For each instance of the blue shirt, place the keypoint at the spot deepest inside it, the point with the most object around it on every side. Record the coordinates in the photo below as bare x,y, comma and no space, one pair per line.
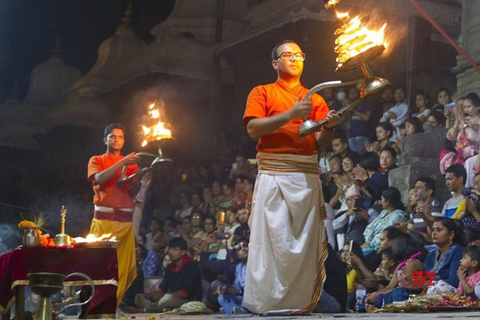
240,273
151,265
446,267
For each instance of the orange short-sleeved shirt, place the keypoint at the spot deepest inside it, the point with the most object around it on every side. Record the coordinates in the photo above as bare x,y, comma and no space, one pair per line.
110,194
275,98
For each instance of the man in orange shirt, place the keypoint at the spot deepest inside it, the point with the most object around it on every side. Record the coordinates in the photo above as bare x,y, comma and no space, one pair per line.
114,203
285,270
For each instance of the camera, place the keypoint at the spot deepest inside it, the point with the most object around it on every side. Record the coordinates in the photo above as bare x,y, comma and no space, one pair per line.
358,205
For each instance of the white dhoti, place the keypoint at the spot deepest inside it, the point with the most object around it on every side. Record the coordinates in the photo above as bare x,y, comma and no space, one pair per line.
288,247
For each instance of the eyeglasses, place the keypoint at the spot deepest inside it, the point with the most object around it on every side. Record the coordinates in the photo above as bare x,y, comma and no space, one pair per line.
240,246
347,162
300,56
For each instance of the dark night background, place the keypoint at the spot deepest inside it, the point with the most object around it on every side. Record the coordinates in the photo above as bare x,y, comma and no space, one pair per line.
29,30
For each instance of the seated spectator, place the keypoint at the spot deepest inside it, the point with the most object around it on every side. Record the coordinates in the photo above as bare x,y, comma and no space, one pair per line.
197,201
182,282
231,297
436,119
470,267
428,208
207,205
329,186
340,146
228,188
465,131
353,217
444,258
393,211
323,160
469,209
385,271
186,208
367,172
384,133
372,263
455,177
149,261
388,160
217,192
141,239
231,222
154,232
239,196
348,251
412,253
397,114
413,125
359,130
421,101
443,98
210,226
243,231
240,167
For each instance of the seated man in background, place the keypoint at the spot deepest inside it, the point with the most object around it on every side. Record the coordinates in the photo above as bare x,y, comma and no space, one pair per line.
181,284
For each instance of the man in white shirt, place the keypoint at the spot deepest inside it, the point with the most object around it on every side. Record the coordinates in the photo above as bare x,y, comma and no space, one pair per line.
397,114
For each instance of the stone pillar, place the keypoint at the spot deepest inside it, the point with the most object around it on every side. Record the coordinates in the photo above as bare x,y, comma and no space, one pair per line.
420,159
468,80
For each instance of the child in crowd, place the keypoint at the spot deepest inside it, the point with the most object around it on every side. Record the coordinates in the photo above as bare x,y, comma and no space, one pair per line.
470,267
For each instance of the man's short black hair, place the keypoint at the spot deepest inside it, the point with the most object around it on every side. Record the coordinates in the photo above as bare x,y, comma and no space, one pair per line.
111,126
341,136
178,243
458,171
429,183
274,50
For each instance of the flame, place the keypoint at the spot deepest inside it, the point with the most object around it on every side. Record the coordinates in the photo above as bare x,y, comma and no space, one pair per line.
354,39
331,3
91,238
156,129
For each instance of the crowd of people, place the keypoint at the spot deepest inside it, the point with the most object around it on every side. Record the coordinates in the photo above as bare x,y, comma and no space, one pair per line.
379,239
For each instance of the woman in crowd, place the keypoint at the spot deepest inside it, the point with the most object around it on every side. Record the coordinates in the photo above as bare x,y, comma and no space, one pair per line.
436,119
388,160
186,208
393,211
443,98
444,259
465,131
413,125
421,101
367,173
384,132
